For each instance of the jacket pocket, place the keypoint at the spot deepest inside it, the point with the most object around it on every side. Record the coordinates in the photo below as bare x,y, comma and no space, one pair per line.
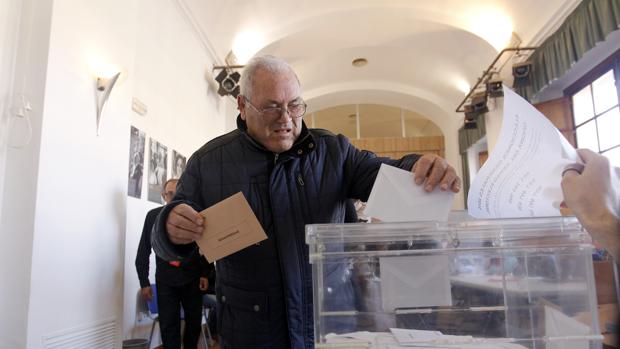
259,200
304,200
242,312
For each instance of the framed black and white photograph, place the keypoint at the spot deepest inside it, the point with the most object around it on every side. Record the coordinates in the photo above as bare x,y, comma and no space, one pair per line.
136,162
178,164
158,170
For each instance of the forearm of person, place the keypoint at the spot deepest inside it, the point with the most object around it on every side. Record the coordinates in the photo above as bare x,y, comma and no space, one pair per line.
163,247
605,229
143,255
142,267
593,195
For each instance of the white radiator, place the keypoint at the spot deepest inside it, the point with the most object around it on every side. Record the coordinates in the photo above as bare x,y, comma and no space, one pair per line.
100,335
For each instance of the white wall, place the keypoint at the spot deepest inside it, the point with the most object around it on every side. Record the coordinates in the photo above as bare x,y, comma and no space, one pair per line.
10,14
231,112
79,228
19,177
69,233
183,114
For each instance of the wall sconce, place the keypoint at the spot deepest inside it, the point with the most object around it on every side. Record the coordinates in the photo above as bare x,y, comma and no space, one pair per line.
104,87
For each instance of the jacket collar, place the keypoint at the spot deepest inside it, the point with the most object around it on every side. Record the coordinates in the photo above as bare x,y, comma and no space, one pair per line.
304,144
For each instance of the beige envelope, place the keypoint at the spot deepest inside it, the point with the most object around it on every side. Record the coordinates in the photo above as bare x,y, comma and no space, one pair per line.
230,226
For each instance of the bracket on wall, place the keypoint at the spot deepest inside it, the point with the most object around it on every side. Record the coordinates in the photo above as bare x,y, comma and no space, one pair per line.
488,73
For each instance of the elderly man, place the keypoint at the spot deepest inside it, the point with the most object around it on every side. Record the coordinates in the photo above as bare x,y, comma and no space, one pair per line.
291,176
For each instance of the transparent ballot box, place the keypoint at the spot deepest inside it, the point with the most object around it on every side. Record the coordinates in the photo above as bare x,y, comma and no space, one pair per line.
510,283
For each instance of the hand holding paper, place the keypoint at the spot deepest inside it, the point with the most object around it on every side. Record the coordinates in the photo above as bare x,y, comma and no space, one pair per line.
432,170
184,224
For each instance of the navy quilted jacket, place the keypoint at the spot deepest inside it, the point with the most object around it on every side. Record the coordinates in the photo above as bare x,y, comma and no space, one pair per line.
264,291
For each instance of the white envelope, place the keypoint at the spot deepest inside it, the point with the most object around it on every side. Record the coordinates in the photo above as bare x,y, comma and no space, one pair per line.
396,198
415,281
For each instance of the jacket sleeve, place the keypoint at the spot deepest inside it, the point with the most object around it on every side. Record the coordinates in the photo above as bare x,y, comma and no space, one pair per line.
144,250
362,166
188,192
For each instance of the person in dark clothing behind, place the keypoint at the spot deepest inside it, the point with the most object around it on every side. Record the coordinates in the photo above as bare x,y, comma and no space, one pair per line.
291,176
178,283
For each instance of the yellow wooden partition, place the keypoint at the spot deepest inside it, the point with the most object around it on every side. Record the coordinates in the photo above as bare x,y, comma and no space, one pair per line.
397,147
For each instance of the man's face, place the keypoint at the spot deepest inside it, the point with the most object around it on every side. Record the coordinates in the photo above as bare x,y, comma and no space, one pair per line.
272,90
169,191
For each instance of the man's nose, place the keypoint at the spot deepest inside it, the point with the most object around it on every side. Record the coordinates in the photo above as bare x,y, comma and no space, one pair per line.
284,114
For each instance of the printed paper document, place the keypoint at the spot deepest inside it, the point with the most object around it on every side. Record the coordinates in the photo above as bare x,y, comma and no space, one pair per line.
521,177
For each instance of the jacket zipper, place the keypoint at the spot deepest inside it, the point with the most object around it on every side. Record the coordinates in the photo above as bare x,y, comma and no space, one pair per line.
300,254
275,236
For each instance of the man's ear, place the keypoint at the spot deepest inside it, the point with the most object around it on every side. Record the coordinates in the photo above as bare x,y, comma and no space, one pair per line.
241,106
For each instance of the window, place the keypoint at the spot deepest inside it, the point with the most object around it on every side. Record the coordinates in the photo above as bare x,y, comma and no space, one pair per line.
596,113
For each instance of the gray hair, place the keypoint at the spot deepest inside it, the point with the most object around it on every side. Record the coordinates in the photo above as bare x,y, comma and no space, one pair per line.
269,63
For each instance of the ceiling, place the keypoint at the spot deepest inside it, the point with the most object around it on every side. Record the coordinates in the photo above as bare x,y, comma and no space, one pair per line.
418,51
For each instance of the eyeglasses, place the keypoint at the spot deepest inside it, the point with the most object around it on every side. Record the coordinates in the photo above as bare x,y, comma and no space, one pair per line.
294,110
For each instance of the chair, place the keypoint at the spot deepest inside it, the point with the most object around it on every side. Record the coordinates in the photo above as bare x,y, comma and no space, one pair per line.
208,304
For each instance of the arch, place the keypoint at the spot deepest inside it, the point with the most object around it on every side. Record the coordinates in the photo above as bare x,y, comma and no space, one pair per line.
407,12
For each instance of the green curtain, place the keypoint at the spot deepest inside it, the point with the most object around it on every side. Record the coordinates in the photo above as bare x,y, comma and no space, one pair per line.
588,24
465,177
467,137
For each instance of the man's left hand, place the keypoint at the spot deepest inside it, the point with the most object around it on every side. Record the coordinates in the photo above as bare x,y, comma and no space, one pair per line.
204,284
431,170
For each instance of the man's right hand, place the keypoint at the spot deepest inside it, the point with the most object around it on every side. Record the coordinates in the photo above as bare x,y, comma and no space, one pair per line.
147,293
184,224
